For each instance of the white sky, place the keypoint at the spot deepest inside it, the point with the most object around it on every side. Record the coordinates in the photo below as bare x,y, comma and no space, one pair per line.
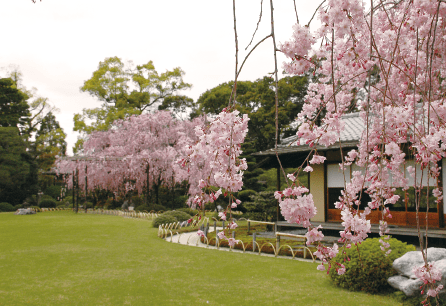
57,44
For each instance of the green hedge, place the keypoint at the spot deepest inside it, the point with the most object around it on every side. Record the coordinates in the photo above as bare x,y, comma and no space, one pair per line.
5,207
180,216
188,210
47,203
369,269
163,219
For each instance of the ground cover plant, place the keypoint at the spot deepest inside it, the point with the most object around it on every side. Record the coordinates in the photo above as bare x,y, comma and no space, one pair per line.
59,257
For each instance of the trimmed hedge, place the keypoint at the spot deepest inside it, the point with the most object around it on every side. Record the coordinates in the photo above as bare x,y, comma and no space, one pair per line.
6,207
180,216
163,219
369,270
47,203
170,217
188,210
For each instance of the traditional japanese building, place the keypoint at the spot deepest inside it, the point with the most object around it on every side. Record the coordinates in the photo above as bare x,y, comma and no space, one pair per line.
327,180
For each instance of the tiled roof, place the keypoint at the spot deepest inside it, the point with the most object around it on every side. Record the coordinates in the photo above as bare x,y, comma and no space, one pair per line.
353,128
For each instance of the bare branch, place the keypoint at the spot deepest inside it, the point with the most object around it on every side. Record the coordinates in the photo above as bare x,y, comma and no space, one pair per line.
314,14
257,27
295,9
234,89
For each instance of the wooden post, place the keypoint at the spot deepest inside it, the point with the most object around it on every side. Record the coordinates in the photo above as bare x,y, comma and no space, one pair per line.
147,184
278,189
74,195
216,239
86,188
254,241
249,226
77,190
440,206
277,244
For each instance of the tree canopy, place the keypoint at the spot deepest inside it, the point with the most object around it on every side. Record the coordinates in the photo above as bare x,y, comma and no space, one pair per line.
14,109
127,90
258,100
18,171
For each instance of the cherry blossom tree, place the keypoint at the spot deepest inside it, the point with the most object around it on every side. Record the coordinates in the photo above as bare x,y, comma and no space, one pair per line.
387,57
393,54
139,153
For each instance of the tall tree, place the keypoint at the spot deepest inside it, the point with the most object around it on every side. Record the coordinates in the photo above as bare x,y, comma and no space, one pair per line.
18,171
14,109
49,143
257,99
126,90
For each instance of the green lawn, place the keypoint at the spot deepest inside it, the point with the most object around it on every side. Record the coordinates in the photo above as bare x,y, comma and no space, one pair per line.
60,258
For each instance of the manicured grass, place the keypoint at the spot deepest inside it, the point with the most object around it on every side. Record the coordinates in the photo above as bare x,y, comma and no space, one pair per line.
60,258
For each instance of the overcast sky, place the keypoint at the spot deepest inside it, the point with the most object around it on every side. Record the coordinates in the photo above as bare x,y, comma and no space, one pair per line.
57,44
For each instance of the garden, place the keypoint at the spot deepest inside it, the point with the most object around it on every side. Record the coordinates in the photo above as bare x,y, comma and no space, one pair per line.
60,257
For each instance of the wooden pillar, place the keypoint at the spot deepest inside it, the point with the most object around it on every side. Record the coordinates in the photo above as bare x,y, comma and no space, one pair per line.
86,187
440,205
278,189
74,194
77,190
147,184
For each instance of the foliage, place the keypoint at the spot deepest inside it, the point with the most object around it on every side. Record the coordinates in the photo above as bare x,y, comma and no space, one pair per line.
47,197
127,91
262,206
49,144
18,171
13,104
143,207
156,208
245,195
36,208
179,215
368,269
139,155
68,199
163,219
53,191
257,99
188,210
5,207
137,201
47,203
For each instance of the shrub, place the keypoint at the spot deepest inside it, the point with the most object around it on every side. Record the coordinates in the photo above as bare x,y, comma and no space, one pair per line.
47,203
180,216
53,191
156,207
369,270
163,219
137,201
36,208
188,210
47,197
62,204
4,207
31,201
142,208
245,195
68,199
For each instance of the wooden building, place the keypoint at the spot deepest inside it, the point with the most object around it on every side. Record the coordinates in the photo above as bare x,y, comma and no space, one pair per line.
326,180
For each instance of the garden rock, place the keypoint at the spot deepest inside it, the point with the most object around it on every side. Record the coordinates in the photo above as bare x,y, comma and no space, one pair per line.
24,211
406,280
